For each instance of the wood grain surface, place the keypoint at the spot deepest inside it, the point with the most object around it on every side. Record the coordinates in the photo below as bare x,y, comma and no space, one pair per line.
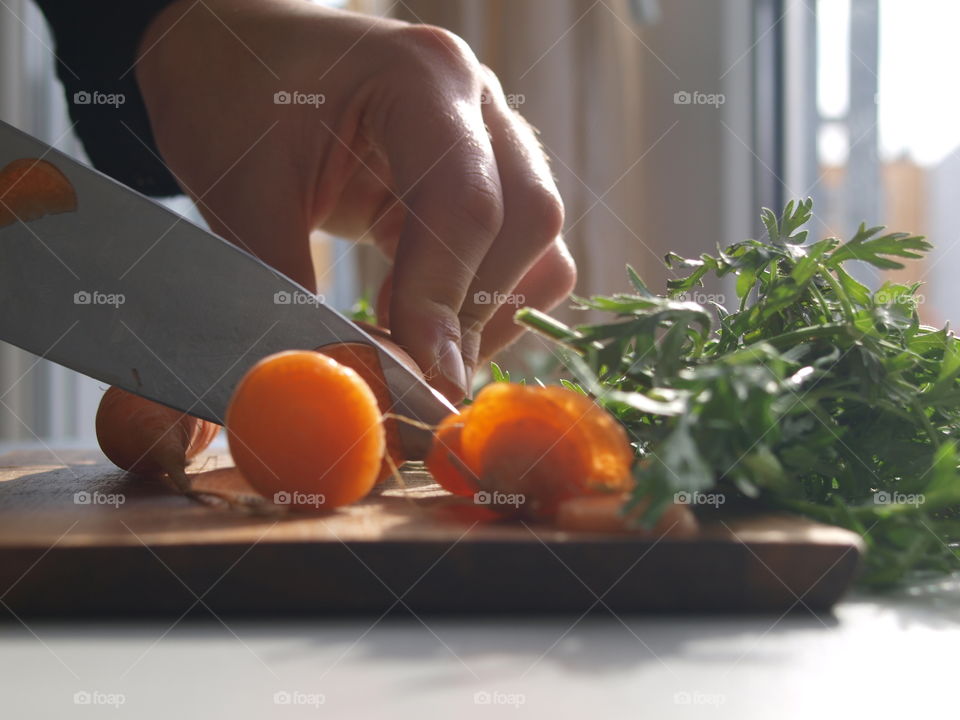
80,537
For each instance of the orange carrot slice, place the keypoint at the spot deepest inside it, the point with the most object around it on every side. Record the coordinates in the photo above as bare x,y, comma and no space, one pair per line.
445,460
31,188
306,431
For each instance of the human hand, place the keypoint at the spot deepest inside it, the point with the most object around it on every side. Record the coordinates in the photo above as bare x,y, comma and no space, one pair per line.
413,147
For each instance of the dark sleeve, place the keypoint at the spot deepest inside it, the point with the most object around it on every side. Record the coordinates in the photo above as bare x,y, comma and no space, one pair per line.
96,44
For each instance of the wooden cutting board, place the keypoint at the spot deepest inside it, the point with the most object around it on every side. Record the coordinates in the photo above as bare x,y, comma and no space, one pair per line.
401,549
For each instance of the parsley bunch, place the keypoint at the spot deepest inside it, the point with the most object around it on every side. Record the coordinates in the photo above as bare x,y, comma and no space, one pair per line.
816,395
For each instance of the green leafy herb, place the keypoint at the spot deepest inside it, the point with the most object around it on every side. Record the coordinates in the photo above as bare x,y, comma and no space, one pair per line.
816,395
363,311
498,374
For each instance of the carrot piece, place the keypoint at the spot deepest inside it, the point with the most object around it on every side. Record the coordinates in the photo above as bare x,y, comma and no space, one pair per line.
31,188
445,461
306,431
605,513
518,442
610,453
364,360
146,438
531,448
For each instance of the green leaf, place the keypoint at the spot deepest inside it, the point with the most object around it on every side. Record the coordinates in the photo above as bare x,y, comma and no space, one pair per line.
858,293
572,386
878,250
498,374
637,282
746,279
677,462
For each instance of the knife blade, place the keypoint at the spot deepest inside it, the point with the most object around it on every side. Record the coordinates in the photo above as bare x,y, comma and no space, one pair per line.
130,293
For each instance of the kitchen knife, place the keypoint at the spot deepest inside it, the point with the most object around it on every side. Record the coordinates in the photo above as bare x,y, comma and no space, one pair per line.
130,293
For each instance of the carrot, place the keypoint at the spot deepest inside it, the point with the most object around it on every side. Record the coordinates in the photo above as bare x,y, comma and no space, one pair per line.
445,460
149,439
529,449
365,361
31,188
607,513
306,431
610,453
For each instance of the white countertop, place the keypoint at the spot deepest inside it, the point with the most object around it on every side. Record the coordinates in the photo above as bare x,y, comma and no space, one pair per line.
879,657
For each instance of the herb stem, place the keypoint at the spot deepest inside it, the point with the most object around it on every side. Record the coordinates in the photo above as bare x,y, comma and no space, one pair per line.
793,337
549,327
842,298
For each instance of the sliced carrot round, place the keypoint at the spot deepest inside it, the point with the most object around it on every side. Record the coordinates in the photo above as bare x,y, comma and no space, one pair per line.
31,188
610,453
364,360
306,431
518,441
445,461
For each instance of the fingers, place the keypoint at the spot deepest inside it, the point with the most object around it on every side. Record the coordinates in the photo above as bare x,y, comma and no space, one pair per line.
546,285
481,215
445,170
533,219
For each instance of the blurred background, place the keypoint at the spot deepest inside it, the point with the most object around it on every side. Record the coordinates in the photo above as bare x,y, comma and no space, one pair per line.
669,125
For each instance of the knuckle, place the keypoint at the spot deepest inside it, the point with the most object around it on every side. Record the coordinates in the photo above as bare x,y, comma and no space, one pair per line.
437,48
490,79
567,278
558,273
478,205
545,212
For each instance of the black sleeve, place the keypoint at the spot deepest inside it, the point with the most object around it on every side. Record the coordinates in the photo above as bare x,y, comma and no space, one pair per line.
96,43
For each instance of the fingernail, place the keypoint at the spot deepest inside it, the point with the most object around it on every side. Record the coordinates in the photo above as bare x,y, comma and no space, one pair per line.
471,371
450,363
